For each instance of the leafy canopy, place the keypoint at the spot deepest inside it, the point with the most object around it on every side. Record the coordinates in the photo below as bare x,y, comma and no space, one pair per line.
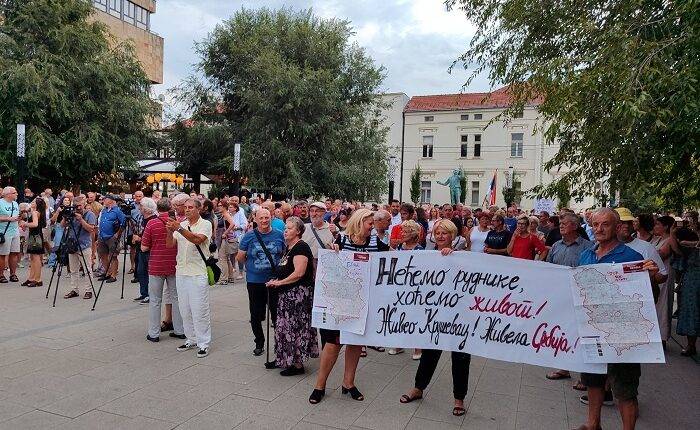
301,99
85,101
619,81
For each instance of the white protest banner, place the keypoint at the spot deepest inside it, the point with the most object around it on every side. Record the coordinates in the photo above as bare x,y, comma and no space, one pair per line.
544,205
616,315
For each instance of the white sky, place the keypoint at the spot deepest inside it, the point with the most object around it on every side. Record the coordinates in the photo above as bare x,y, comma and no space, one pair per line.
415,40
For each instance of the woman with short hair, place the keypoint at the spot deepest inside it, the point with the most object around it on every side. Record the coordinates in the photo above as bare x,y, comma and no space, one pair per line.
478,234
295,339
524,243
357,237
445,232
35,241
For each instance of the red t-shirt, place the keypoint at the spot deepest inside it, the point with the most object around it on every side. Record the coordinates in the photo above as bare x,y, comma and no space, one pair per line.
161,261
525,247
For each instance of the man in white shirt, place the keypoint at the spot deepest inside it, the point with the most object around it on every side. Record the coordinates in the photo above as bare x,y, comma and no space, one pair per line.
395,209
318,234
9,227
647,250
191,275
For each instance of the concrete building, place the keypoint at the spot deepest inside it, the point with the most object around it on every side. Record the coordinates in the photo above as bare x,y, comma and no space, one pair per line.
131,20
453,131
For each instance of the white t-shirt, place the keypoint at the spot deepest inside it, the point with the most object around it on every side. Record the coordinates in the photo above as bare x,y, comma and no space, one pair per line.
478,239
649,252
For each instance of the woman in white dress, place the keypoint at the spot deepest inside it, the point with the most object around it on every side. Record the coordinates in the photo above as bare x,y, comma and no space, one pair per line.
660,240
477,237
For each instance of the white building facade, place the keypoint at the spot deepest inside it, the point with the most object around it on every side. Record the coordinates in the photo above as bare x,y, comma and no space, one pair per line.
447,132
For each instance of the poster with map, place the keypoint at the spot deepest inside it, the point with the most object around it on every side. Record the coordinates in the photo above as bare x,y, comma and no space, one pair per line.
615,313
341,293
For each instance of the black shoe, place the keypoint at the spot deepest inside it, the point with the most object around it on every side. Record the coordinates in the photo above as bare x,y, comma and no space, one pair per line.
316,396
101,277
202,352
153,339
178,336
271,365
139,298
354,393
110,280
292,371
134,281
258,351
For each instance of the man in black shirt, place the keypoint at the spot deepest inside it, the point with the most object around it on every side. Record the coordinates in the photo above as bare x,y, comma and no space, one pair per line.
497,239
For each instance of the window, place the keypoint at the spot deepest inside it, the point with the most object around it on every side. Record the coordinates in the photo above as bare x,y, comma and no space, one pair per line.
464,117
100,4
130,13
427,146
477,145
475,193
463,148
115,8
516,144
142,18
478,116
518,114
429,118
425,191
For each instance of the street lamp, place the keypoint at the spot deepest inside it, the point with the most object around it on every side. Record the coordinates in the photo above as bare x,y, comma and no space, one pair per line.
509,177
234,186
21,146
392,175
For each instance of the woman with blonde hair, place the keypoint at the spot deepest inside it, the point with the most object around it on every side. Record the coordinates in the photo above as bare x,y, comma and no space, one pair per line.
445,232
357,237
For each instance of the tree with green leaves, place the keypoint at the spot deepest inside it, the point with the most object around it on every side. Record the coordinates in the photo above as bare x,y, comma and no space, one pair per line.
84,101
415,185
617,83
302,100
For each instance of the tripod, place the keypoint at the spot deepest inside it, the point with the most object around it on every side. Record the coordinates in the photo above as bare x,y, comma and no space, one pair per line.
62,260
112,257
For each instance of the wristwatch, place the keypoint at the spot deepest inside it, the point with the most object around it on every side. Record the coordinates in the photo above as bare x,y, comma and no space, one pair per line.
180,230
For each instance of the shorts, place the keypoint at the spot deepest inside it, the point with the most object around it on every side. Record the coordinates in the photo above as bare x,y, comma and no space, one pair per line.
329,336
622,378
229,248
11,245
109,246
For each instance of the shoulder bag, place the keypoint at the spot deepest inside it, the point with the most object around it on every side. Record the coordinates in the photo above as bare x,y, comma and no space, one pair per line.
318,238
2,235
213,270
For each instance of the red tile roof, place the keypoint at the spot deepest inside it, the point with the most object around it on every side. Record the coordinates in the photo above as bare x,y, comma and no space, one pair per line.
447,102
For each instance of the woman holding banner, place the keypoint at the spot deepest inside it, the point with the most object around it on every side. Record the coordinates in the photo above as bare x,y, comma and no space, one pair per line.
444,233
357,237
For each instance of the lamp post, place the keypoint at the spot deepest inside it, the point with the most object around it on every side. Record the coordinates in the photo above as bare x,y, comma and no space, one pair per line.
392,176
234,186
509,177
21,146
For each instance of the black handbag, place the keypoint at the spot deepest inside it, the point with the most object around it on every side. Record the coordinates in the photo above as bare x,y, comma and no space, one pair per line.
2,235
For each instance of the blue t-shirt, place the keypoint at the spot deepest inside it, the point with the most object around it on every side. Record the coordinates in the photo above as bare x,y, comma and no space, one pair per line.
110,221
9,209
257,266
511,223
621,254
277,224
84,236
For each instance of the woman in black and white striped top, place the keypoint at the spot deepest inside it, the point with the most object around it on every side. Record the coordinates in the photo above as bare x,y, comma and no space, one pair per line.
357,237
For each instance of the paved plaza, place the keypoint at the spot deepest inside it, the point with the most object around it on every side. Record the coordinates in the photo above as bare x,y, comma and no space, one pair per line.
70,368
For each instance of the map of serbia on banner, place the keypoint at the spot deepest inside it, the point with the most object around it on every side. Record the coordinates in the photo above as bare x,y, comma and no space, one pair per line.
492,306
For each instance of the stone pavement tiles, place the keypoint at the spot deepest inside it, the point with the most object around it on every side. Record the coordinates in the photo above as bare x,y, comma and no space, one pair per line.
70,368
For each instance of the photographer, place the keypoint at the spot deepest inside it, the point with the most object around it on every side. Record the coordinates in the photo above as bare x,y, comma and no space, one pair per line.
148,211
65,201
78,224
111,225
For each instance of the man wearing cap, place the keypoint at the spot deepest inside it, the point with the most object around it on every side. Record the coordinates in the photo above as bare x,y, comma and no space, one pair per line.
9,227
622,378
318,233
111,224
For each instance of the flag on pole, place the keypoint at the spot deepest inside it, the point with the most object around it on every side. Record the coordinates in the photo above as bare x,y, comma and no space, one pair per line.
490,197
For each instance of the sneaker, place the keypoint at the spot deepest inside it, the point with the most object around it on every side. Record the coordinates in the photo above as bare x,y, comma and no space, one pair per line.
139,298
152,339
110,280
607,400
101,277
145,301
178,336
134,281
258,351
202,352
186,346
394,351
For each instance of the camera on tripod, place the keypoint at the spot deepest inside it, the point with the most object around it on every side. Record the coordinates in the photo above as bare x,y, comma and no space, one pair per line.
126,206
68,212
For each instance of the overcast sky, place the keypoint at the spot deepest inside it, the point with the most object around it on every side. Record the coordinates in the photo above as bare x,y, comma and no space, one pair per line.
415,40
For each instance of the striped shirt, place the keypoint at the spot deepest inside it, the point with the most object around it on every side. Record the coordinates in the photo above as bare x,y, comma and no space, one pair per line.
372,244
161,261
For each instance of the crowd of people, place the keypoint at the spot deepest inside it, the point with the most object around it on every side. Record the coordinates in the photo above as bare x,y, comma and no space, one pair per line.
275,245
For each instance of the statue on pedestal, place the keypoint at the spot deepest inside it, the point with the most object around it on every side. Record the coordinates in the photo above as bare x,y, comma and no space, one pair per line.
455,188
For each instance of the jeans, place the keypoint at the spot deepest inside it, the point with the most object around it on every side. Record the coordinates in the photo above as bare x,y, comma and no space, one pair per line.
142,271
57,235
193,299
460,371
257,302
155,293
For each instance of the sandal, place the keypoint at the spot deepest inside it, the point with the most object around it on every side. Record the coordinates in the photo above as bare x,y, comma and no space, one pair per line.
14,278
559,374
405,398
3,280
70,295
88,295
377,348
458,411
354,393
580,386
316,396
363,353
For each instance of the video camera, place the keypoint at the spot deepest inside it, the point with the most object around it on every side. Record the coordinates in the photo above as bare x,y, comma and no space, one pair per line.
68,212
126,206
